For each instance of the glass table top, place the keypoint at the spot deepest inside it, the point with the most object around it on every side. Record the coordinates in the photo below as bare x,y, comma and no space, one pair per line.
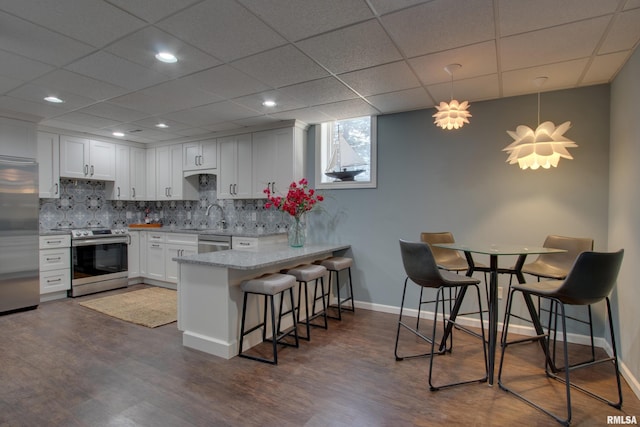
498,249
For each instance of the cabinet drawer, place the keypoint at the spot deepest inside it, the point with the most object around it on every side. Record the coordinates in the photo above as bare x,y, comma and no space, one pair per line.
182,239
54,259
55,280
52,242
156,237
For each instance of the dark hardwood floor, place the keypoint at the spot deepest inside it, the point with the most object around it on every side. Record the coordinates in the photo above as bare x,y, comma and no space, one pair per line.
66,365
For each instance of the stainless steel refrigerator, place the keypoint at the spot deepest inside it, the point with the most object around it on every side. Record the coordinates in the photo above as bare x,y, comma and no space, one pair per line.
19,276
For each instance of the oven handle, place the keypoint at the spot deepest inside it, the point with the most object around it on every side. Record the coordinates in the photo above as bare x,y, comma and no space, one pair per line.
99,241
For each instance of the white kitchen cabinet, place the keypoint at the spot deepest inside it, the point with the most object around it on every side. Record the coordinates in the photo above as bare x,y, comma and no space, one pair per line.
155,255
235,171
55,263
170,183
178,245
143,253
49,165
133,254
130,174
87,159
278,160
200,157
17,138
150,174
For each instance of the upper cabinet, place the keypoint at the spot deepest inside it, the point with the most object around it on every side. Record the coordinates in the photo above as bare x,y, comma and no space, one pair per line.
87,159
49,165
200,157
17,138
278,160
130,174
170,183
235,171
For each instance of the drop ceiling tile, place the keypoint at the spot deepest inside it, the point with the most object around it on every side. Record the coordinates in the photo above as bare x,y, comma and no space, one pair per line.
437,25
151,122
625,34
193,132
88,120
94,22
520,16
226,81
557,44
282,101
405,100
476,60
79,85
113,112
32,41
142,46
28,107
604,68
352,48
222,28
180,94
21,68
152,10
34,93
322,91
256,121
141,102
281,66
310,115
383,78
206,115
66,126
7,84
559,76
385,6
222,127
348,109
312,16
117,71
474,89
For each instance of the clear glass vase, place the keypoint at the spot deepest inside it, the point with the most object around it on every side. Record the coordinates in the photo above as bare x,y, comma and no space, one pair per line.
297,232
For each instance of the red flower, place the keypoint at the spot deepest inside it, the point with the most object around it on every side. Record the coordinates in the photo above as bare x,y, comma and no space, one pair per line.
300,199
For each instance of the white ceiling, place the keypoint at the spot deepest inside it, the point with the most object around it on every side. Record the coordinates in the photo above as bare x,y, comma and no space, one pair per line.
318,59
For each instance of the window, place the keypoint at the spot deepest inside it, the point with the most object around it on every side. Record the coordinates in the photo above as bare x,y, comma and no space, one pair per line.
346,153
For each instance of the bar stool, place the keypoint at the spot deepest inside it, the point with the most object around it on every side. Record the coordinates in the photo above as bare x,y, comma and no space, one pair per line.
336,265
305,274
268,286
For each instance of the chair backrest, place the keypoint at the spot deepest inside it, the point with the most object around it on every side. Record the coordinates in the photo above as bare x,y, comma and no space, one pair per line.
420,264
591,278
443,256
574,246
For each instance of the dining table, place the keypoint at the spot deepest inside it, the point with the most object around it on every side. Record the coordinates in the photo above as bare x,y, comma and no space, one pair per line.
494,251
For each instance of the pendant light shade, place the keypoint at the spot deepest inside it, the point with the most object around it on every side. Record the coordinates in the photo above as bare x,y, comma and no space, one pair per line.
452,115
542,147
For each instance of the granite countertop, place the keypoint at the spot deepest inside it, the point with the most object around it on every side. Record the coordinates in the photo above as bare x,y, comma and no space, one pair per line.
252,259
211,231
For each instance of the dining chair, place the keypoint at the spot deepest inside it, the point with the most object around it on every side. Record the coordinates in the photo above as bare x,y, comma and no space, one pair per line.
421,268
556,267
590,280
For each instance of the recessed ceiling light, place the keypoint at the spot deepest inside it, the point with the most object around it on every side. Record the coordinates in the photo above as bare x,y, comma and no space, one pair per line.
162,125
269,103
53,99
118,134
167,57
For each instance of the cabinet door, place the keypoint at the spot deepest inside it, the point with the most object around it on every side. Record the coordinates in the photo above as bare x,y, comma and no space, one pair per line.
49,165
228,166
137,174
208,154
133,252
263,153
171,266
121,183
175,172
74,157
163,177
244,170
155,261
103,158
151,185
277,162
191,156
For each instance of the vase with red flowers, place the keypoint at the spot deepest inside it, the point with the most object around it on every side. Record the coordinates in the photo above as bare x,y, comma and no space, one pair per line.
299,200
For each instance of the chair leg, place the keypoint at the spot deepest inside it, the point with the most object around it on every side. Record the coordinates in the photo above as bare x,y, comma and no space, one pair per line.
401,324
322,296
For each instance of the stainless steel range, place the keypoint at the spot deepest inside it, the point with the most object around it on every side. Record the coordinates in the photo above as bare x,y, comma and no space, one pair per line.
98,260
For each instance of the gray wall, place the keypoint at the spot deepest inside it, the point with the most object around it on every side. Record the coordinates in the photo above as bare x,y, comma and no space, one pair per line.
435,180
624,212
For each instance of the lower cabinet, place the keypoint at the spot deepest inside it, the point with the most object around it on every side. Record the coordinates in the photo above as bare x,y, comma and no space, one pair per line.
155,256
133,252
161,248
55,264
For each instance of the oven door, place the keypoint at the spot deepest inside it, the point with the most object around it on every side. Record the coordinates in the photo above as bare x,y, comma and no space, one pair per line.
98,264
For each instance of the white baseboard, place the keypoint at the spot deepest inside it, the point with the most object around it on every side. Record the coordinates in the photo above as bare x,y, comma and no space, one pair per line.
633,382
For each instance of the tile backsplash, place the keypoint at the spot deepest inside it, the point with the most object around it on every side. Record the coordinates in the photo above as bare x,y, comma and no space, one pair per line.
84,203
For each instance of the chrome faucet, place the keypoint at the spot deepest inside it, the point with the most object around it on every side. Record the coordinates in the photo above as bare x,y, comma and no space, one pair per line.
222,220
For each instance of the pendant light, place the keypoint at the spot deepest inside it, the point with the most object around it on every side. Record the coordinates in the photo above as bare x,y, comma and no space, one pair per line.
454,114
540,148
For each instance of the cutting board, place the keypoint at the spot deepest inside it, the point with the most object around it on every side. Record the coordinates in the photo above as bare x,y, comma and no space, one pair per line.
145,225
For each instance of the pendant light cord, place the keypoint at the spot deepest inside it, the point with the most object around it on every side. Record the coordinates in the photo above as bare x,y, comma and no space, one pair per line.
538,108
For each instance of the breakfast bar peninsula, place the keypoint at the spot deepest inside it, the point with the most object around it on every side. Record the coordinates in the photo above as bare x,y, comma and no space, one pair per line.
210,298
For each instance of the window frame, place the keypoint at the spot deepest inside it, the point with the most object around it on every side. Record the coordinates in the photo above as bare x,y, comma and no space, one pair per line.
337,185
